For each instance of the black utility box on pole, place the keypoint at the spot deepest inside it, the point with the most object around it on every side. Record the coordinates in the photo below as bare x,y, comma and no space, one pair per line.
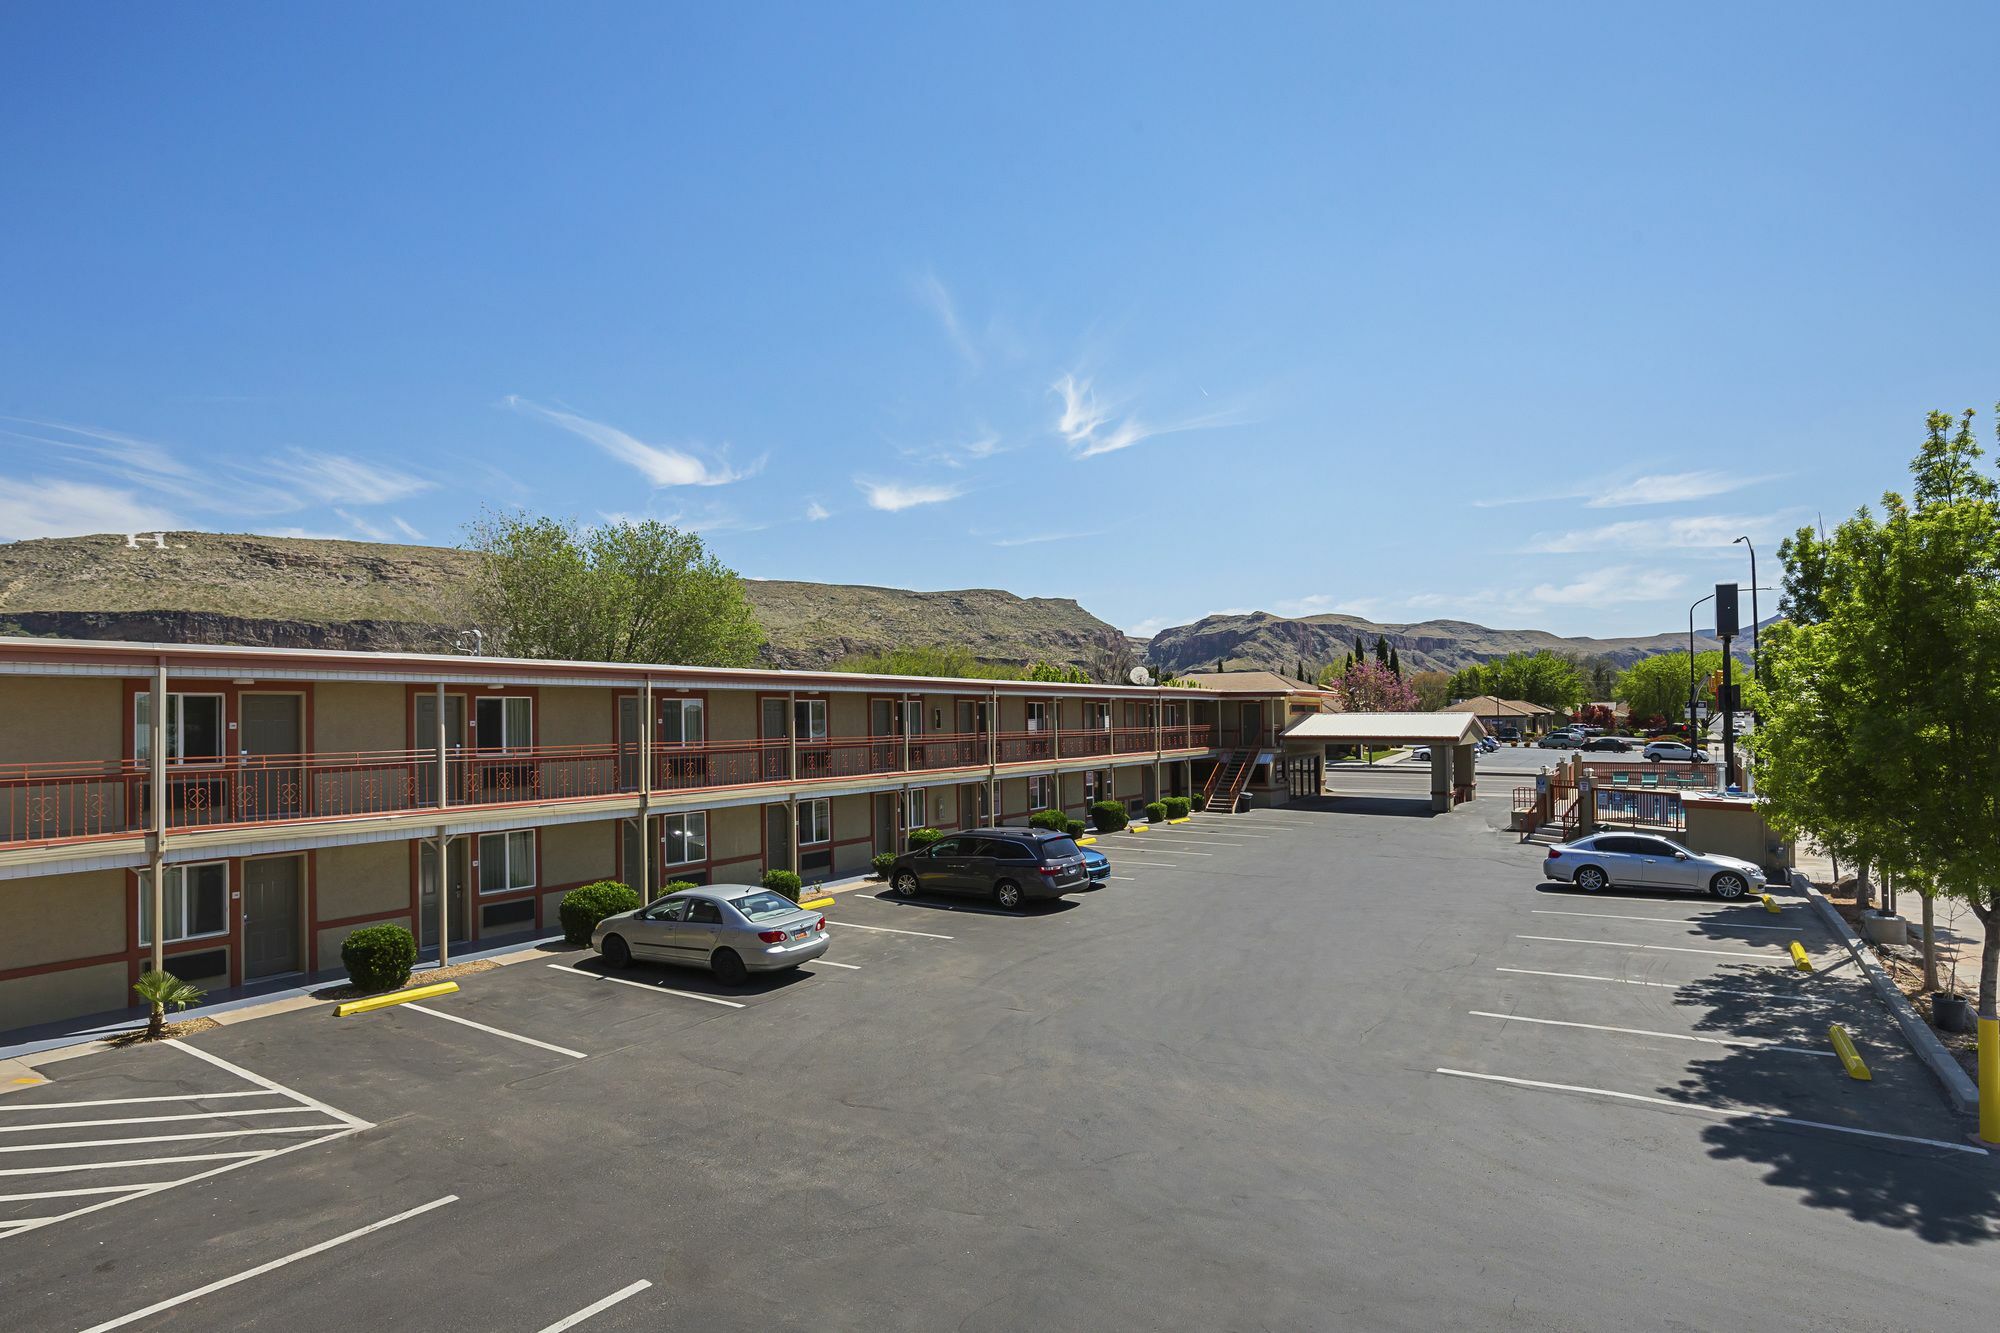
1726,628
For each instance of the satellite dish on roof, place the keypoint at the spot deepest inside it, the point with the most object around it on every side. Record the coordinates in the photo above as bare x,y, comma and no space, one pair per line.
1139,676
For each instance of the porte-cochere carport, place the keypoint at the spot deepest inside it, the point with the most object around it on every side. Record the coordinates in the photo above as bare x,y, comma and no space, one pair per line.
1451,737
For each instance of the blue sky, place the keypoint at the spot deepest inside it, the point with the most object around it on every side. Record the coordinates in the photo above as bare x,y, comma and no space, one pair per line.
1514,314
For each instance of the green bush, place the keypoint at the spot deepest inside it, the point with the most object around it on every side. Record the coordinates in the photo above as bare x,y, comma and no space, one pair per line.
676,885
379,957
882,861
1156,812
786,882
1053,820
921,838
1197,802
1109,816
1177,807
1073,827
582,908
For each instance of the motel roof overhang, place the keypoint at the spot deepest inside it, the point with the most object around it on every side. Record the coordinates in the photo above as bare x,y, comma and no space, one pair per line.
1392,728
20,656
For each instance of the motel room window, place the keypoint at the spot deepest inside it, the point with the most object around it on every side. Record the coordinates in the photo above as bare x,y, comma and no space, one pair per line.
506,861
815,823
196,902
809,715
1038,715
1090,787
1038,795
681,722
504,722
1100,716
915,809
685,838
194,728
913,717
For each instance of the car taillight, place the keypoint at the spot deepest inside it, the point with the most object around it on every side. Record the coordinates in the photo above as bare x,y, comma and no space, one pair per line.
1050,871
821,925
771,936
1553,853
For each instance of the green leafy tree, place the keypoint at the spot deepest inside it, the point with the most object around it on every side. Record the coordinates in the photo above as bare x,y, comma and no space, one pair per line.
1433,689
1395,660
1543,677
619,592
161,991
1658,686
1881,731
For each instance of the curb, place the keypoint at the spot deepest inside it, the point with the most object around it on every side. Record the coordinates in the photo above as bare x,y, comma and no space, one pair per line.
1958,1088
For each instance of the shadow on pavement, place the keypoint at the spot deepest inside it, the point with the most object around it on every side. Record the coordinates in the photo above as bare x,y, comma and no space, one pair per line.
697,980
1938,1194
1414,807
974,905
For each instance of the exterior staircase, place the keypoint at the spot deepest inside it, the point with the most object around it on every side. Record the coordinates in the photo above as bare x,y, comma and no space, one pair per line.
1224,791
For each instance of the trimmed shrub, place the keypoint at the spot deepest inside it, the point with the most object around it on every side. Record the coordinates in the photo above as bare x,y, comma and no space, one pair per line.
1177,807
1197,802
1156,812
676,885
1109,816
1073,827
379,957
921,838
582,908
1052,820
786,882
882,861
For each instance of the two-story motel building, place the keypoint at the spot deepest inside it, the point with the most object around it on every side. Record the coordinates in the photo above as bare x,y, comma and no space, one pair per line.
285,797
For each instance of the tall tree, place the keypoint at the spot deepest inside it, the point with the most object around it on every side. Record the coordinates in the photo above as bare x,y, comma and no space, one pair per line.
1433,689
1543,677
1395,660
1370,687
1658,685
618,592
1381,651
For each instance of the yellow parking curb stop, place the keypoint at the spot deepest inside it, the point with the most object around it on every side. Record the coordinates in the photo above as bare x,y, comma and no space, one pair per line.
1182,820
1085,842
394,997
1771,905
810,903
1799,959
1843,1046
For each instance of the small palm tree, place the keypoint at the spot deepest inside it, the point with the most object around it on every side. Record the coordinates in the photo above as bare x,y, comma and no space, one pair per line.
164,990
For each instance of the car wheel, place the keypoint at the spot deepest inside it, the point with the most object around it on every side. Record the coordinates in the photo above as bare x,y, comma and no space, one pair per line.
616,952
728,968
905,884
1590,879
1728,885
1008,894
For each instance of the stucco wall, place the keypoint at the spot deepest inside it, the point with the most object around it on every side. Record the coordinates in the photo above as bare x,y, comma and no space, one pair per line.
578,853
359,715
575,715
732,714
49,996
51,719
736,842
370,877
56,918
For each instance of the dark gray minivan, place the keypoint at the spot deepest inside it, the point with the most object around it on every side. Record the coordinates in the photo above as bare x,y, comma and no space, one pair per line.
1008,865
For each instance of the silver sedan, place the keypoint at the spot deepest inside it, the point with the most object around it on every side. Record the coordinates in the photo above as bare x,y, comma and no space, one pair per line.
1647,861
731,929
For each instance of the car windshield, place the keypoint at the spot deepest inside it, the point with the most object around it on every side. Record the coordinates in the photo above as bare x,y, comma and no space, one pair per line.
763,906
1055,849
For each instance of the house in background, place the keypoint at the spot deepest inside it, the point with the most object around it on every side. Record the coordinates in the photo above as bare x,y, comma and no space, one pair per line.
1509,719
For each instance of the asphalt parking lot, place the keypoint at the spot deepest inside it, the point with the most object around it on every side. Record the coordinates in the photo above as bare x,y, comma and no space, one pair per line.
1348,1066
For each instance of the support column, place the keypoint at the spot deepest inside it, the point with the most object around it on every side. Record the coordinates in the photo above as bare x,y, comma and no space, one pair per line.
444,766
646,791
156,889
444,895
792,734
1463,761
908,712
993,758
792,809
1441,778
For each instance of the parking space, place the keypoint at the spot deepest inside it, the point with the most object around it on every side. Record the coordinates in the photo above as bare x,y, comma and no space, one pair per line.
1692,1005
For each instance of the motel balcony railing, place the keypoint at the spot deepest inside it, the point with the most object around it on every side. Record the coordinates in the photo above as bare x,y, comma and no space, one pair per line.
55,802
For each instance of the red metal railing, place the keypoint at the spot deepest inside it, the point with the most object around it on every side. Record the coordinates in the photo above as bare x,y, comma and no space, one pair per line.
53,802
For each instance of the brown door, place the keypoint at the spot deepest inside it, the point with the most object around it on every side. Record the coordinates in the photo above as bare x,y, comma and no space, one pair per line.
272,735
1253,725
458,871
425,743
273,908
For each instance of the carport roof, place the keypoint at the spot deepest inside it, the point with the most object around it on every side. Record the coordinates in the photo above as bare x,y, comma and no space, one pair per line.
1348,728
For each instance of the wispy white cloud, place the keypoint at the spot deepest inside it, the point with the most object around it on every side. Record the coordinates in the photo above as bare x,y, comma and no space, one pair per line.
893,496
662,465
1083,420
937,297
337,479
407,529
1695,532
1039,538
53,507
1081,415
1626,491
1324,604
817,512
1151,625
713,518
1602,587
363,527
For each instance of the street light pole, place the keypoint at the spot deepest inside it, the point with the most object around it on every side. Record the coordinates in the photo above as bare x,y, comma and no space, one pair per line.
1754,617
1709,598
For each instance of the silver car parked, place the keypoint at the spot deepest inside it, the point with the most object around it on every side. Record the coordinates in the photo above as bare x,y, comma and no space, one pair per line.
1647,861
731,929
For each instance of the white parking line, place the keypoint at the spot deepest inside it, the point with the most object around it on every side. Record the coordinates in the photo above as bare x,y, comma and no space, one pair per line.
1670,985
1659,948
129,1161
1718,1112
1169,839
1647,1032
128,1101
67,1194
887,930
1661,920
263,1268
164,1138
1122,878
158,1119
597,1307
1176,851
647,985
828,962
343,1117
498,1032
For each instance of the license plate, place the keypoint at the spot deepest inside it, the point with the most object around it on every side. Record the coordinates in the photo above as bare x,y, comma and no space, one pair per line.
802,933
